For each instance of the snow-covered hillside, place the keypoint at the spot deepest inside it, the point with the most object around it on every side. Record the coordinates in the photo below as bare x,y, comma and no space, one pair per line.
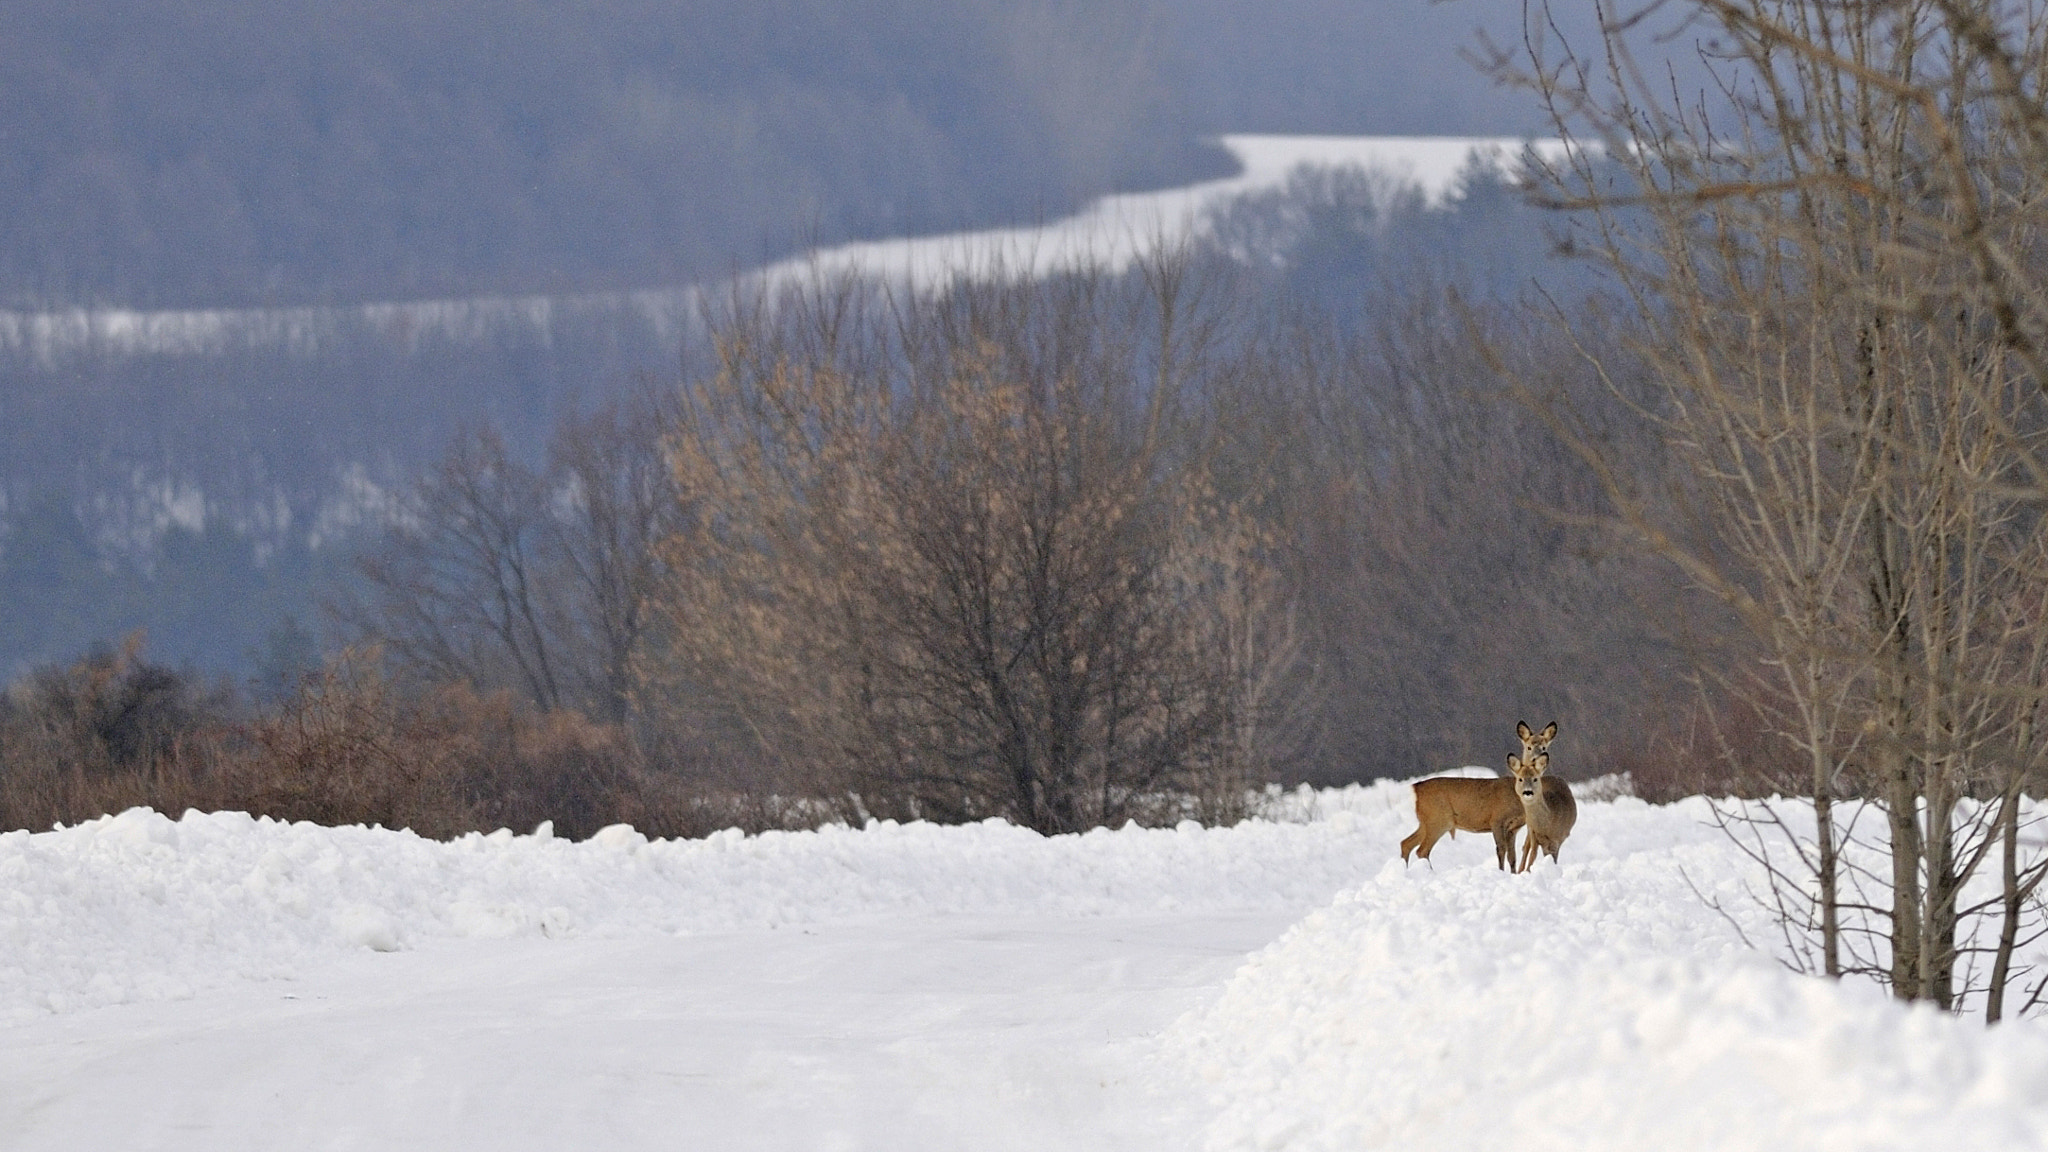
1115,230
219,982
1108,232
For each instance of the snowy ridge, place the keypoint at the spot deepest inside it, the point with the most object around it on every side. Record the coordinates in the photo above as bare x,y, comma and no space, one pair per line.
140,907
1602,1005
1108,232
1114,231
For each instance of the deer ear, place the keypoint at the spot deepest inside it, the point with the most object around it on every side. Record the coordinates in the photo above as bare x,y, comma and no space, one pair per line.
1522,729
1542,762
1550,733
1514,762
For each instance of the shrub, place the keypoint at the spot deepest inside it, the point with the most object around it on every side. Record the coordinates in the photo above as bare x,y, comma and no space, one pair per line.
104,733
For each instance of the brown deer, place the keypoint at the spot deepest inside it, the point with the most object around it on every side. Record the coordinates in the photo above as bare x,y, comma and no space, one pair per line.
1456,804
1547,806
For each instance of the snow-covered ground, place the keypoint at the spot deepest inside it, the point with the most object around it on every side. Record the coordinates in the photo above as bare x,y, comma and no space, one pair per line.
223,983
1601,1005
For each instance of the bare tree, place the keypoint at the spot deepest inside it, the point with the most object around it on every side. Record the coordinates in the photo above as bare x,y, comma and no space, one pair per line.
1824,285
613,499
457,590
1249,628
501,575
1436,549
947,551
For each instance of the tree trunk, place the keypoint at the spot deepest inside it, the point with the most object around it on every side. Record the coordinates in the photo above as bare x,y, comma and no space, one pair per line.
2011,898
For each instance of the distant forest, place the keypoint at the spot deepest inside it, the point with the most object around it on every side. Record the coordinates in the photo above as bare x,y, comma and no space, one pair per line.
224,153
228,152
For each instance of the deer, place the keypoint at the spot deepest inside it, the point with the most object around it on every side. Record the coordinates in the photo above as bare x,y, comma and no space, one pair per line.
1456,804
1534,743
1548,809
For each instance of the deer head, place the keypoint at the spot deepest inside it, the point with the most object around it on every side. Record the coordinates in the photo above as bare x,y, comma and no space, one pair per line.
1528,773
1535,744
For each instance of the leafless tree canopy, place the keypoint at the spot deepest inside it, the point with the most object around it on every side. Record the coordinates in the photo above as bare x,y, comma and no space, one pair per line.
1833,283
964,555
499,574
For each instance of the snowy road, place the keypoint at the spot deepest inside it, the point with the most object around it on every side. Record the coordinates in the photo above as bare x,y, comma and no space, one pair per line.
920,1034
956,1032
215,982
940,1032
221,983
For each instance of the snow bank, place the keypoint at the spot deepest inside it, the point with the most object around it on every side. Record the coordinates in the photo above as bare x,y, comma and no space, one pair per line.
1603,1005
1600,1005
141,907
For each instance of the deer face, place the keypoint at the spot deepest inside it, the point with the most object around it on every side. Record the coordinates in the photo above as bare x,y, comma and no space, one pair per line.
1534,743
1529,774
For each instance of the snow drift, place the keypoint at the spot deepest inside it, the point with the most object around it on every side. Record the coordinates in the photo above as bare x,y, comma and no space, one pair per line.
1603,1004
141,907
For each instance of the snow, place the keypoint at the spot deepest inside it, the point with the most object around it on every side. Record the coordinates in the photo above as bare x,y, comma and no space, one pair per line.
1112,232
991,1033
1604,1003
141,907
220,982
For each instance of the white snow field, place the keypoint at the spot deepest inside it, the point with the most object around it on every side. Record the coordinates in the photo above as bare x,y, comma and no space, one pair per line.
224,983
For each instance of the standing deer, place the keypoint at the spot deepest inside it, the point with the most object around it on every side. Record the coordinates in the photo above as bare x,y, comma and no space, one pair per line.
1456,804
1533,744
1547,805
